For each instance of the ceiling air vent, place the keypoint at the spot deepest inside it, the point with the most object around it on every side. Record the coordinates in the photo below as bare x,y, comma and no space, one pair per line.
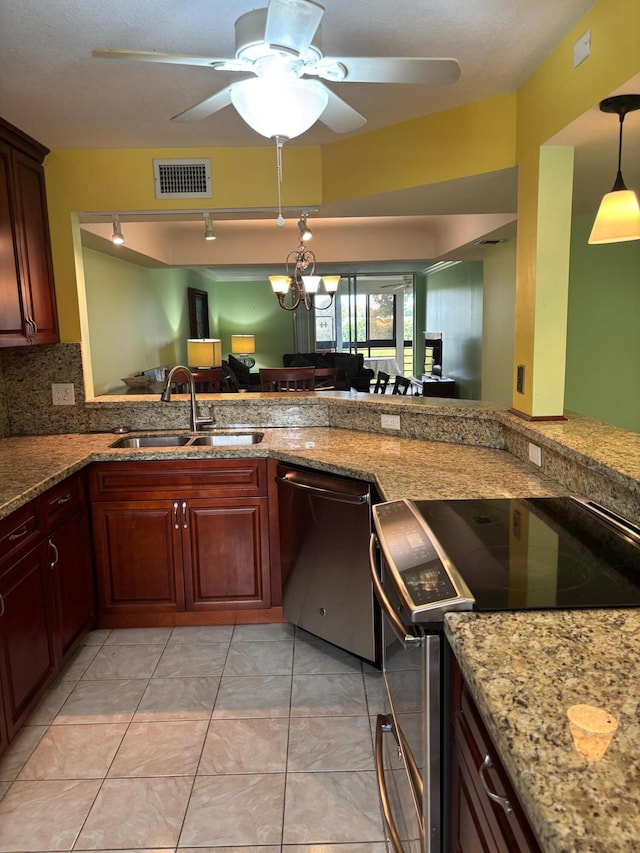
182,178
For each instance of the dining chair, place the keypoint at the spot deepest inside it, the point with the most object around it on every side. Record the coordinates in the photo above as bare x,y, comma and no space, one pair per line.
326,378
382,380
207,381
287,378
401,385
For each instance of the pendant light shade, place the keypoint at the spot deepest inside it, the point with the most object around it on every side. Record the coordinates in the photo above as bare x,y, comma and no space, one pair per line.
618,217
279,107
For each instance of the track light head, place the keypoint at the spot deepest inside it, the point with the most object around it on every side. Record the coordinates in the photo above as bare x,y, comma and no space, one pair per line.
305,232
209,233
117,237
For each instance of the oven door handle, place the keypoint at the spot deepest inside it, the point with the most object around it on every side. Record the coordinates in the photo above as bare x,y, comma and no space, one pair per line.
407,639
385,723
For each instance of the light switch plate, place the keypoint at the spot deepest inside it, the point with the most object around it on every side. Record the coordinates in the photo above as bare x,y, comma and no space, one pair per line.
582,48
390,421
62,394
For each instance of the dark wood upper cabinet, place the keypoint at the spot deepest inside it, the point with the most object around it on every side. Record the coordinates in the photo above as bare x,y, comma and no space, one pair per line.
27,295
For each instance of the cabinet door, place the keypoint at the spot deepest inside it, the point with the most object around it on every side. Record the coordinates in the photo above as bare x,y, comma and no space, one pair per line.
226,554
11,324
70,556
32,232
138,555
26,634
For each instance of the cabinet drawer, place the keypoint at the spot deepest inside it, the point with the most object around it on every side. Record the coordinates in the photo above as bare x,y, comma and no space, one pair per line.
18,531
61,501
177,478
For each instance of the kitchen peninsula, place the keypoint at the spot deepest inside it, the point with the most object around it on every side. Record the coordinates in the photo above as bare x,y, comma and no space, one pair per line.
514,664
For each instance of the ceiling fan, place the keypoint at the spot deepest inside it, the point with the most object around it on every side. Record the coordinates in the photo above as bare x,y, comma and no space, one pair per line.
281,95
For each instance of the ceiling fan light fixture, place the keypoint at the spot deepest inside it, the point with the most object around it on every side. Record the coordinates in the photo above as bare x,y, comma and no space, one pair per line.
276,107
618,217
117,238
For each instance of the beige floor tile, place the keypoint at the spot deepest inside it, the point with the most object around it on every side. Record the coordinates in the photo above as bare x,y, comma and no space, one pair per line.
331,694
184,659
74,752
50,703
78,663
313,656
136,812
134,636
17,753
102,702
375,847
264,848
330,743
242,746
254,696
376,693
96,638
160,749
332,808
263,633
274,658
234,810
178,699
44,815
137,661
202,634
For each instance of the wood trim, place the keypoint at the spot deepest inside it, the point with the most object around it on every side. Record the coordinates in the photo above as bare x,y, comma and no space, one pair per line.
527,417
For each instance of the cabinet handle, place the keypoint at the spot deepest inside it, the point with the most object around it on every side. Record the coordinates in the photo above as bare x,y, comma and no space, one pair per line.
501,801
184,515
18,534
54,562
175,515
64,499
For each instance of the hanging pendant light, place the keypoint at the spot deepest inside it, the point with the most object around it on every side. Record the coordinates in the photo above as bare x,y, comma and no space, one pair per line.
618,217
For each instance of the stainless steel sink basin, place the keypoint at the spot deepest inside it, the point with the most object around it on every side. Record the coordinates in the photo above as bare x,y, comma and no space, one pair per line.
153,441
223,439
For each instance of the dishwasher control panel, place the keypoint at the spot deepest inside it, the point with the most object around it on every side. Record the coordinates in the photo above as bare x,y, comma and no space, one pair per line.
426,581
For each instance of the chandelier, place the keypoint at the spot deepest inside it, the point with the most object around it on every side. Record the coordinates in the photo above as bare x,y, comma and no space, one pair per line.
301,284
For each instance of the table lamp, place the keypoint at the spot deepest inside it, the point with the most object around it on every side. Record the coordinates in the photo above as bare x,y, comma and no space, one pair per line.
204,352
241,346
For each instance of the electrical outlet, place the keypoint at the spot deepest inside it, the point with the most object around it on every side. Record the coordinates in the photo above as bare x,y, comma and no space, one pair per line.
62,394
520,379
535,454
390,421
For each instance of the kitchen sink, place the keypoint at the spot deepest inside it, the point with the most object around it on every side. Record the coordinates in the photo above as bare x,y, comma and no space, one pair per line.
218,439
222,439
152,441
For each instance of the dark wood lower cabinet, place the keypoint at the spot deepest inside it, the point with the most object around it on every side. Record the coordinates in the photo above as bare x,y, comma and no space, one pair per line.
485,812
181,537
26,634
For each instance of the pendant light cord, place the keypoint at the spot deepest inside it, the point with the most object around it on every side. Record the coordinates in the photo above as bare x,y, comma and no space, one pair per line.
279,141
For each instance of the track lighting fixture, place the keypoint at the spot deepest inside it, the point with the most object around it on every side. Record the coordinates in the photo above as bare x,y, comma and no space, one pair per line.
117,238
305,232
209,233
618,216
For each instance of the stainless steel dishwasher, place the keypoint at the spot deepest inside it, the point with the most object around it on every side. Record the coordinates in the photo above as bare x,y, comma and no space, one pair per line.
325,525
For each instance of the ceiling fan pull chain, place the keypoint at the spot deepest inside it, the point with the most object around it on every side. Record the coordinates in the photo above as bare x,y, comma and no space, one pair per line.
280,219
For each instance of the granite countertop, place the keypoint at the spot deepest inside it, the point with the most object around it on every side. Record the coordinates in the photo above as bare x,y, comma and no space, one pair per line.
524,670
400,467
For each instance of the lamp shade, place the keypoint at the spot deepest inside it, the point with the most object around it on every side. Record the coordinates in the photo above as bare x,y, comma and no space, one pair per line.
276,107
243,344
280,283
618,218
204,352
331,282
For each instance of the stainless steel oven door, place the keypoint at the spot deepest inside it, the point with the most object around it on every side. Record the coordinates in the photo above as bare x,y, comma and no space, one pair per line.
410,790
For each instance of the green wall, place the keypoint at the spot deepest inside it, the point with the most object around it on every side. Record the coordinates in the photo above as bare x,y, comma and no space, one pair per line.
454,307
250,308
498,316
138,317
603,334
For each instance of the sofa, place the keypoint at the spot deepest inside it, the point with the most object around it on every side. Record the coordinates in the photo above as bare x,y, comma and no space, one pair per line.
350,366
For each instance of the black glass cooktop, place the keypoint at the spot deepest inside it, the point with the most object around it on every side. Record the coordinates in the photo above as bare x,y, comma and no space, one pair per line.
538,553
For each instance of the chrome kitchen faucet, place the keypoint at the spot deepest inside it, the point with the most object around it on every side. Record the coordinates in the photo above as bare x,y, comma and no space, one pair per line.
195,420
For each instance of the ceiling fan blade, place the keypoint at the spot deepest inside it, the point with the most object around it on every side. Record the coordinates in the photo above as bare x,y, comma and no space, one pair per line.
363,69
339,116
172,58
207,107
292,24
